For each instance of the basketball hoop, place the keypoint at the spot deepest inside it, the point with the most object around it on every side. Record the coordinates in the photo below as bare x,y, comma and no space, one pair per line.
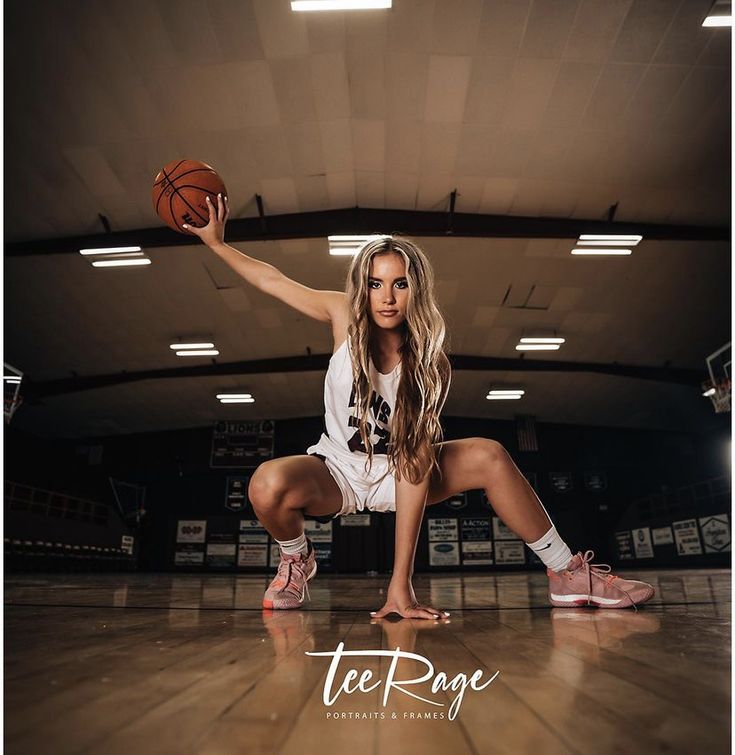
718,388
12,379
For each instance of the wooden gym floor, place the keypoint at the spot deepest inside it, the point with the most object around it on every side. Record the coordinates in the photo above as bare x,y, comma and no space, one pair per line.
137,663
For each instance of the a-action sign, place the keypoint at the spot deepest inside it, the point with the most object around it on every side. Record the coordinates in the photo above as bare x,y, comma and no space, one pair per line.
476,528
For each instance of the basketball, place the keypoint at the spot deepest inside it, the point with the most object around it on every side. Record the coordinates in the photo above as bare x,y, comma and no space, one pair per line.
180,193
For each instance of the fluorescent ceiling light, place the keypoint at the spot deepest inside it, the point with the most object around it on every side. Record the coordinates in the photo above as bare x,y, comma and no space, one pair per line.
234,395
514,397
542,340
121,263
349,245
110,250
310,5
610,237
191,346
537,347
611,252
198,353
16,379
496,392
720,14
237,400
607,242
710,392
717,21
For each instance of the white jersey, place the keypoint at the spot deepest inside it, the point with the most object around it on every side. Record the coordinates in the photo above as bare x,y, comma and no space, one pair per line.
342,441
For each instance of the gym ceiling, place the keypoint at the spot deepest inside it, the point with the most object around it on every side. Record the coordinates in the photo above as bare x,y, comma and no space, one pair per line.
493,132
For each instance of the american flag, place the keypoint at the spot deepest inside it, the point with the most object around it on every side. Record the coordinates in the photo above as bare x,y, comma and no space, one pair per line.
526,432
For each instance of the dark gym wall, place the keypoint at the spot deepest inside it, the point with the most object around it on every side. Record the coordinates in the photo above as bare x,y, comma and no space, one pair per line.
174,466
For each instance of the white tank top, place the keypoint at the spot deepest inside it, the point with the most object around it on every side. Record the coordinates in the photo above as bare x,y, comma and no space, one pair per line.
342,440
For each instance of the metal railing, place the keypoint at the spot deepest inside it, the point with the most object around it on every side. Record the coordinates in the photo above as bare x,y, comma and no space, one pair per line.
49,503
687,500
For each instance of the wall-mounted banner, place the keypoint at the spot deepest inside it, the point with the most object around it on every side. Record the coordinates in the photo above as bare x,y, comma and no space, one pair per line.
501,531
355,520
252,554
221,554
443,530
595,482
507,552
443,554
252,531
715,533
236,492
189,555
561,482
478,553
662,536
456,502
687,538
191,531
241,444
476,528
318,532
642,542
624,543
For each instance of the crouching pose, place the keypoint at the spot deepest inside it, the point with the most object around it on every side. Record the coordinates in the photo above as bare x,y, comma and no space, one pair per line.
382,450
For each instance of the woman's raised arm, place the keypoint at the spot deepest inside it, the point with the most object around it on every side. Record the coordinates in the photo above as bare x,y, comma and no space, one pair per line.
324,306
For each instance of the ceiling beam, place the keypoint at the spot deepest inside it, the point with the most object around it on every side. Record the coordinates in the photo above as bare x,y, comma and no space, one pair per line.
368,221
319,363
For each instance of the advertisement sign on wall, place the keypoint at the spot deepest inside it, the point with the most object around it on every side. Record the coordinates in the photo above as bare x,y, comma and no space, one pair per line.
687,539
191,531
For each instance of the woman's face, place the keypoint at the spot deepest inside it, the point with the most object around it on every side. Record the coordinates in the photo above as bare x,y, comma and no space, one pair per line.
388,290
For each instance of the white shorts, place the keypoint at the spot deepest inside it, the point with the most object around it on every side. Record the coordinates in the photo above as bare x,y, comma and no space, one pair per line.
358,492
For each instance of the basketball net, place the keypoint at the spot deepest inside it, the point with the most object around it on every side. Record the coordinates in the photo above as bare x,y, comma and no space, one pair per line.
719,393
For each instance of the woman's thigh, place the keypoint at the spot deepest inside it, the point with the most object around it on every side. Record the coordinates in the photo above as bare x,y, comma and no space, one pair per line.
464,465
302,482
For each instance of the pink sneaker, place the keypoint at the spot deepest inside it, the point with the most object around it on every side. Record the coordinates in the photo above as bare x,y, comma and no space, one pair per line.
288,588
586,584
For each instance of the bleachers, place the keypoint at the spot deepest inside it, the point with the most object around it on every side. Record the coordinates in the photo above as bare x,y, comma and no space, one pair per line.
45,556
78,523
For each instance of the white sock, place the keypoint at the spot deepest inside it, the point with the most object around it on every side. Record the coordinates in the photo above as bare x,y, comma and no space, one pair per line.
295,546
552,550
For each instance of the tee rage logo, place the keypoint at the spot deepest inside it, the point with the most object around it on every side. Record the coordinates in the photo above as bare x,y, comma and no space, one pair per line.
440,683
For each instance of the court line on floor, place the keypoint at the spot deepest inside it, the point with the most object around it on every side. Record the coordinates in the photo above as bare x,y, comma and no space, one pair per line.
337,610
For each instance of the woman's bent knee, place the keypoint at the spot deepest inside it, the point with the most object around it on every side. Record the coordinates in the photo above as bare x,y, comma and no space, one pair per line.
268,485
489,451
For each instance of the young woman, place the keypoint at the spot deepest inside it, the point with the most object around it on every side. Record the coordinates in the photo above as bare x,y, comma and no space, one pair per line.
387,382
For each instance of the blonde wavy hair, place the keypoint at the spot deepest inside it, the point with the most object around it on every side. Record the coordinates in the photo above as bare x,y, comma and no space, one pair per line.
425,369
